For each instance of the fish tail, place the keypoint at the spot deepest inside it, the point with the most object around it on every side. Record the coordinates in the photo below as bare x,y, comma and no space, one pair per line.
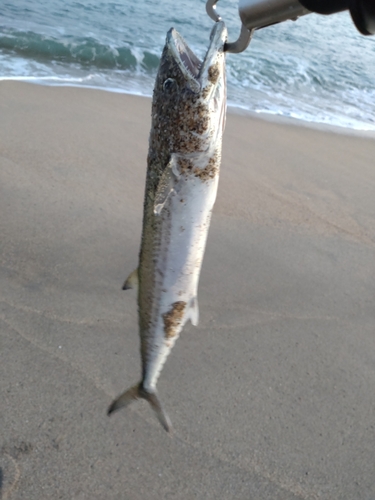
124,399
138,392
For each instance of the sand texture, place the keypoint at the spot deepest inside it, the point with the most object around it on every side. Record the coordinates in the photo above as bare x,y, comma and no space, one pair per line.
271,396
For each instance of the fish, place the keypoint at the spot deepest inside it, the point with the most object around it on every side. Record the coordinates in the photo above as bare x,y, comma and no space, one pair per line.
187,123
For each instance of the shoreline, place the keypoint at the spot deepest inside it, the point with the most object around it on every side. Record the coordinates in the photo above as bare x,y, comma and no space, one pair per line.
237,109
298,122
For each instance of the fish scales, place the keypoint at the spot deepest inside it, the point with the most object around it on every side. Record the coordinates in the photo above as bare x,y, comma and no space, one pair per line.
187,123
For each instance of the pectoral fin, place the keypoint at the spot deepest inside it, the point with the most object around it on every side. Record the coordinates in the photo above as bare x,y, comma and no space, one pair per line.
166,186
131,281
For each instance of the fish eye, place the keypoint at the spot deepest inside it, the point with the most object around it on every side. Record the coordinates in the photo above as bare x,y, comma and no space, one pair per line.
170,85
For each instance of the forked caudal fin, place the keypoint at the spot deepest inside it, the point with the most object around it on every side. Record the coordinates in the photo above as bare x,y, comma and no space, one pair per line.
138,392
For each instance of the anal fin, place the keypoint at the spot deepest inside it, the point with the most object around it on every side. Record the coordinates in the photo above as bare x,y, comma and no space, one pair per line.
193,311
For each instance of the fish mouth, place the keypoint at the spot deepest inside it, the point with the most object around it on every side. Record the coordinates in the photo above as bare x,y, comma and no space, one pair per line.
195,71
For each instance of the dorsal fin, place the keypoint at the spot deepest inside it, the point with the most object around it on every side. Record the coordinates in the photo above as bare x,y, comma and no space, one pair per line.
131,281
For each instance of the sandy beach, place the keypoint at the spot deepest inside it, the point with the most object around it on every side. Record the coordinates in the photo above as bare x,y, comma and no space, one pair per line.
271,396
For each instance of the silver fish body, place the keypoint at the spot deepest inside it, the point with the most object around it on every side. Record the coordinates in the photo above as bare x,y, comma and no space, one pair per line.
188,118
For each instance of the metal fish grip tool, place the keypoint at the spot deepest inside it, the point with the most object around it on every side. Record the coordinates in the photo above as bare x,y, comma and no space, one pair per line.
257,14
245,36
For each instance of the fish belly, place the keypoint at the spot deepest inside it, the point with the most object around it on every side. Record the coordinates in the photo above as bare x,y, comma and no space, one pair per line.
185,222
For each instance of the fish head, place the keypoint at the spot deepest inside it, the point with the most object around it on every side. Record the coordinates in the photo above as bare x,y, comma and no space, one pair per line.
189,103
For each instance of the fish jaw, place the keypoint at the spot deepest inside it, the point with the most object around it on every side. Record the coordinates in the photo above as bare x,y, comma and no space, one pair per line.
207,79
201,76
189,100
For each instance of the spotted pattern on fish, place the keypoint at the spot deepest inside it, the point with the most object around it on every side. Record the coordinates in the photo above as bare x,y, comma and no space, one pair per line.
213,73
172,319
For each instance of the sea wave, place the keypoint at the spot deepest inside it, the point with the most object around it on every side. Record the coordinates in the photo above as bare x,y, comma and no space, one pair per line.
85,51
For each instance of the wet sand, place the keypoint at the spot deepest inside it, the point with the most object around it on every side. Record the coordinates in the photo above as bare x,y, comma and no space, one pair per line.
271,396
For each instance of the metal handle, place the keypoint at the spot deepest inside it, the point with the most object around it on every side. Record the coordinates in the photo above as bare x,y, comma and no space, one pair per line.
257,14
245,36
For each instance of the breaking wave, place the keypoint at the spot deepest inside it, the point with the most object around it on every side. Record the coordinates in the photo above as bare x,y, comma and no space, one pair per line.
85,51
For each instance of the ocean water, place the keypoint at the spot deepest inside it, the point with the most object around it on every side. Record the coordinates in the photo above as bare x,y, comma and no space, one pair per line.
318,69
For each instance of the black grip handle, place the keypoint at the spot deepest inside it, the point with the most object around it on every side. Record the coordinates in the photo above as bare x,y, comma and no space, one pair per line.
325,6
363,15
362,11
